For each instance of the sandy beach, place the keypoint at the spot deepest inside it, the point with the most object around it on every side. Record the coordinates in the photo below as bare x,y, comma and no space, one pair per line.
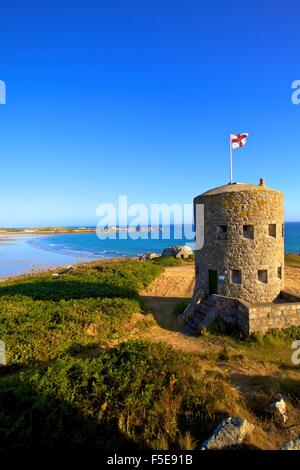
18,255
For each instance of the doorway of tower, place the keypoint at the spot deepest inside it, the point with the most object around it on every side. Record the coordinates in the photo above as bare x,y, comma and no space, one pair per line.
212,282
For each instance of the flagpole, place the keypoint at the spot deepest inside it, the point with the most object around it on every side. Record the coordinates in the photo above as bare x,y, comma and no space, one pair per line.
231,180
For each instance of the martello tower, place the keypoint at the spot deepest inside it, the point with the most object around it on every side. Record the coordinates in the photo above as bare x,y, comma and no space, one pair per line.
243,252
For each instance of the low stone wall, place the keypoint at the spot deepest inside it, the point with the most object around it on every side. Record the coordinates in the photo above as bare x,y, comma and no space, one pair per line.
265,317
260,318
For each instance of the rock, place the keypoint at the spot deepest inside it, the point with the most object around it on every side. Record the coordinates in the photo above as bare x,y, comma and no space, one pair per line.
279,407
152,256
292,445
178,251
68,269
230,433
147,256
55,274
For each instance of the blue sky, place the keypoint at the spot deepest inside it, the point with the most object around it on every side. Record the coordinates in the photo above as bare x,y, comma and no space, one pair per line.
138,98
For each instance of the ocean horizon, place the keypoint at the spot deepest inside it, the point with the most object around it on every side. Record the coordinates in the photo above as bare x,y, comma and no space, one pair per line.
21,254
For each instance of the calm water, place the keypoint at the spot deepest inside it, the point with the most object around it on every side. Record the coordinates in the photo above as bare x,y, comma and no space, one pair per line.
22,254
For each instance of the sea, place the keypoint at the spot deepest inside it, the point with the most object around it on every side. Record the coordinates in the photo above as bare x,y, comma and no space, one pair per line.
21,254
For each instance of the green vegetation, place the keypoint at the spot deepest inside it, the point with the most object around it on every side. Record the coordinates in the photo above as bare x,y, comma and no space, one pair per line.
10,230
37,331
137,395
72,379
169,261
277,336
78,374
220,327
43,317
272,349
274,337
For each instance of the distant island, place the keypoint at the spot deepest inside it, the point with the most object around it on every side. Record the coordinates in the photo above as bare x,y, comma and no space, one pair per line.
57,230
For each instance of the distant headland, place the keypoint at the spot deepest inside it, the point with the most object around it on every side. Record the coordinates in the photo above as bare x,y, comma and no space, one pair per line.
58,230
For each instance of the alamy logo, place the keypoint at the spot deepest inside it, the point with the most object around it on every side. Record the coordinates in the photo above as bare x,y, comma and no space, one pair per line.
296,93
296,353
2,353
2,92
126,221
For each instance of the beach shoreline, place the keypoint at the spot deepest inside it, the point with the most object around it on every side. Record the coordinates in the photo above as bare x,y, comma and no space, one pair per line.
62,268
50,268
22,253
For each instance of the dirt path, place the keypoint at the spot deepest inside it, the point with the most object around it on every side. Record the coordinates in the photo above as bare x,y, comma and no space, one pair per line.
292,279
177,282
174,286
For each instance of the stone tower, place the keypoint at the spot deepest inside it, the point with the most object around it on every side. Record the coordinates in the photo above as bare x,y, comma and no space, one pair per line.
243,252
240,268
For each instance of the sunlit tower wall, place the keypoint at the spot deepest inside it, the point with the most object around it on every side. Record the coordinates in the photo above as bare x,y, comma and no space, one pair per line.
243,252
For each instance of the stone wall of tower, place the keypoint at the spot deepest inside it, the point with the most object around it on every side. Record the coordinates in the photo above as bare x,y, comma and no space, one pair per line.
261,209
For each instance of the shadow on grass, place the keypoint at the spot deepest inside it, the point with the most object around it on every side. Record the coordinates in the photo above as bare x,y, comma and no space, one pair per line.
31,420
164,309
67,289
77,350
85,351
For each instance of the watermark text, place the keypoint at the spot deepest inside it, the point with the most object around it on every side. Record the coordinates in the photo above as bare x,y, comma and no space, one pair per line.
156,221
296,353
2,92
296,94
2,353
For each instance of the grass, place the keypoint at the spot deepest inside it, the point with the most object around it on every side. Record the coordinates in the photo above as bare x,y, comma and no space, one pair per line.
137,395
273,349
95,280
220,327
261,367
169,261
65,386
38,331
42,317
73,379
274,337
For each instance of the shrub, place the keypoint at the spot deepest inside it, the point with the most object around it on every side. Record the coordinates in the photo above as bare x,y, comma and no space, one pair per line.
224,354
138,394
39,331
167,261
276,335
220,327
42,317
